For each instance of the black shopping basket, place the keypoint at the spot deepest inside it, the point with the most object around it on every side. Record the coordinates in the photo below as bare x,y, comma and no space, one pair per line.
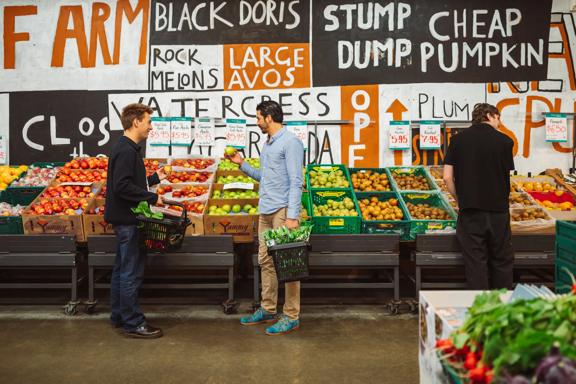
290,261
164,234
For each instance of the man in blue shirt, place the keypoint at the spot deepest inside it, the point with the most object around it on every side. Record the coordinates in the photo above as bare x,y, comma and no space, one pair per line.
280,177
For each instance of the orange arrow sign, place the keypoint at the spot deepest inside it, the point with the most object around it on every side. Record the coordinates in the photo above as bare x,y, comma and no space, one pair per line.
397,110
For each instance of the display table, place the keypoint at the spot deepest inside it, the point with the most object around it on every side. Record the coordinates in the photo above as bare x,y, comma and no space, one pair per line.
200,252
375,252
433,252
47,252
440,313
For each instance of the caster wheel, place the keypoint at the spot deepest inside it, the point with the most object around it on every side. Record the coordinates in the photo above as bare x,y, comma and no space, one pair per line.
90,307
230,307
71,309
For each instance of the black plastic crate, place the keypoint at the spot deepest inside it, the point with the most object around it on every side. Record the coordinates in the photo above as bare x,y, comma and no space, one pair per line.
290,261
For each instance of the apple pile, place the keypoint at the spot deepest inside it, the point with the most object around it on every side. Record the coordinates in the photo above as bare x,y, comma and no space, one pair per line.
235,179
67,175
227,165
9,210
151,166
186,192
102,192
200,163
196,207
68,191
97,210
235,209
88,163
188,177
58,206
235,194
37,177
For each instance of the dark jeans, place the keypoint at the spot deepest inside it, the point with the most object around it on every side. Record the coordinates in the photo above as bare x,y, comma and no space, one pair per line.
127,278
485,239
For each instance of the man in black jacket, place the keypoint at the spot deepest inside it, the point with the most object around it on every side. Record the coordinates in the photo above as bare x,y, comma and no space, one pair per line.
126,186
477,173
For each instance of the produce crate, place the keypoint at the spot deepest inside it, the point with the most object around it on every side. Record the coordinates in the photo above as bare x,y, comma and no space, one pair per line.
306,207
434,199
374,170
55,224
335,224
565,254
222,187
220,173
243,227
10,225
411,171
94,224
327,168
401,227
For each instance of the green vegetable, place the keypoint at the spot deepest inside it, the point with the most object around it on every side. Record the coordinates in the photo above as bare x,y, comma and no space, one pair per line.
144,209
283,235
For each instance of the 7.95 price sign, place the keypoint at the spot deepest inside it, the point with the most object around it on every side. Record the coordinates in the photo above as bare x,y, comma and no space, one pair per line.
399,135
430,132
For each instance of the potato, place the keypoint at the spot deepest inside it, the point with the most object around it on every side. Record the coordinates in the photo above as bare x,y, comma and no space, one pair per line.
528,214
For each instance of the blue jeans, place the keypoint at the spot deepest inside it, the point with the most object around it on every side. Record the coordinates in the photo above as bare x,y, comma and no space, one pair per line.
127,278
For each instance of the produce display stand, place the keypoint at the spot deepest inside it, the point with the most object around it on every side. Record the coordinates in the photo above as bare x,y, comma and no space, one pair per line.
534,252
197,252
360,251
45,252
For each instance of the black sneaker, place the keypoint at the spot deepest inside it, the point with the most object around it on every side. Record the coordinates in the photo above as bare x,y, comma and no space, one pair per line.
144,331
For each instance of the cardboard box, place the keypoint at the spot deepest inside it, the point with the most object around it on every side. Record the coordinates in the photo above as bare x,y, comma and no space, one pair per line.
221,188
94,224
54,224
242,226
221,173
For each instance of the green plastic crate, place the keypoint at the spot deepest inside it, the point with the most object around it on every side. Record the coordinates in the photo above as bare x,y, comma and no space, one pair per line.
10,225
327,168
401,227
25,195
565,254
334,224
306,204
428,226
374,170
417,171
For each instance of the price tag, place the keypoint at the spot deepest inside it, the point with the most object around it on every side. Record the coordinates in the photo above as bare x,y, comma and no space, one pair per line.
160,134
300,129
430,134
247,186
236,133
399,135
556,127
181,131
204,132
3,150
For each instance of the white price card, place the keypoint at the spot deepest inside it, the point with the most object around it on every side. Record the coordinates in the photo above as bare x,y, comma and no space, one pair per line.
399,135
181,131
204,134
236,133
556,127
430,134
300,129
160,134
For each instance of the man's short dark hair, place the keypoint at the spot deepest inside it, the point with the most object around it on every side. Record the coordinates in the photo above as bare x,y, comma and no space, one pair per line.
134,111
272,109
481,110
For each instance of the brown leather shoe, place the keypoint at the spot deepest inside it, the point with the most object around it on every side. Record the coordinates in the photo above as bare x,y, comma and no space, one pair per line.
144,331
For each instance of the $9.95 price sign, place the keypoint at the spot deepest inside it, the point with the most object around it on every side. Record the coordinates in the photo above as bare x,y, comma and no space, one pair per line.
236,133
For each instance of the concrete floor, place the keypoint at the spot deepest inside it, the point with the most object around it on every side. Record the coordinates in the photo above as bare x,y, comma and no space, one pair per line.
334,345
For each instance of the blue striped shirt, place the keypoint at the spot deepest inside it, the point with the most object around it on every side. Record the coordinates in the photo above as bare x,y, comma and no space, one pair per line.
280,174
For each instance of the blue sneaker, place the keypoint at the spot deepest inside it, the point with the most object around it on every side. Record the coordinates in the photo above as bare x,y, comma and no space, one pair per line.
258,317
282,326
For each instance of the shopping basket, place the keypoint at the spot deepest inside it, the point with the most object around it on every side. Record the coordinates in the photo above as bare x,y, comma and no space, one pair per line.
164,234
290,261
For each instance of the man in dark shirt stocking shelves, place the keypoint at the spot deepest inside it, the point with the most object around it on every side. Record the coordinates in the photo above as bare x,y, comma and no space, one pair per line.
477,173
126,186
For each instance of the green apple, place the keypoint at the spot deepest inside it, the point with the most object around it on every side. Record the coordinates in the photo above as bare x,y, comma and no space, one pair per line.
247,208
252,211
230,151
236,208
226,208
